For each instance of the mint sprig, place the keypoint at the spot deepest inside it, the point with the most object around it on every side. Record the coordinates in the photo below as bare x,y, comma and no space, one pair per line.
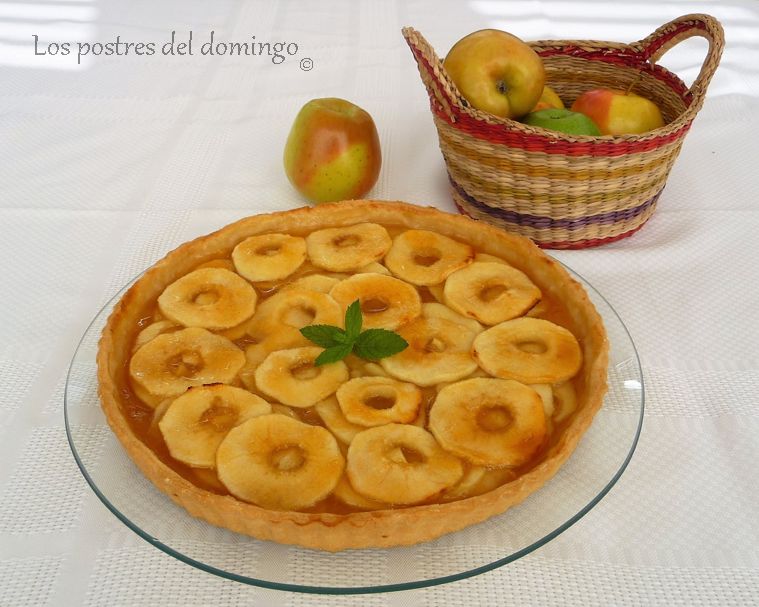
372,344
333,354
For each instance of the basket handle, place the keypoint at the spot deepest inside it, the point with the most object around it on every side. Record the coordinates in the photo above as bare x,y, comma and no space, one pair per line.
652,47
443,93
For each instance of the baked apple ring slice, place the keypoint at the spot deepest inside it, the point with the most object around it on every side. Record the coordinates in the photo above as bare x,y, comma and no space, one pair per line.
279,463
374,268
565,399
422,257
386,302
277,322
529,350
297,308
476,481
345,492
490,292
172,362
375,401
290,377
313,282
438,351
481,481
332,415
265,339
438,310
269,256
195,423
489,422
349,248
152,331
210,298
400,464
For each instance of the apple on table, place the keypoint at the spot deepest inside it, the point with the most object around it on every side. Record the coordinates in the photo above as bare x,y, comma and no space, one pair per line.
496,72
333,151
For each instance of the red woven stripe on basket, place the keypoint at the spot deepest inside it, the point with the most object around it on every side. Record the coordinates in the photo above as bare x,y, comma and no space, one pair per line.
500,134
591,242
495,133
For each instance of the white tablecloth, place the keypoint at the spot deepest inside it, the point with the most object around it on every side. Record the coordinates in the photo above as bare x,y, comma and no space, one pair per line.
107,163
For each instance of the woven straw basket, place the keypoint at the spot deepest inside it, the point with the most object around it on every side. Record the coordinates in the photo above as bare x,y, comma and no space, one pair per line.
570,191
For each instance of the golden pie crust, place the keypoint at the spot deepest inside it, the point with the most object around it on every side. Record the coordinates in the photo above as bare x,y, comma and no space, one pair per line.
391,526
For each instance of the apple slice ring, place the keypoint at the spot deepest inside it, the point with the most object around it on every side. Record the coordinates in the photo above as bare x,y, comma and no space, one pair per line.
400,464
529,350
172,362
152,331
196,422
277,322
210,298
279,463
269,256
438,351
386,302
375,401
332,415
490,292
297,308
565,399
489,422
348,248
345,492
426,258
290,377
313,282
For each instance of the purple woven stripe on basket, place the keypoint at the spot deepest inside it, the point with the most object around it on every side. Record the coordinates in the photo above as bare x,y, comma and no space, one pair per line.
537,221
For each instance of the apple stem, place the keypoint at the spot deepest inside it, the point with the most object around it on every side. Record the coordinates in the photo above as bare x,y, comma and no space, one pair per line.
501,86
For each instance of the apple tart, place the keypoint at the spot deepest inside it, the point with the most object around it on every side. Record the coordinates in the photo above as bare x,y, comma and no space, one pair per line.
211,377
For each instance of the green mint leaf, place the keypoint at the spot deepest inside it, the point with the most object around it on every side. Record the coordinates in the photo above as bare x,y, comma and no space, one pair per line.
374,344
371,344
333,354
353,320
343,338
325,336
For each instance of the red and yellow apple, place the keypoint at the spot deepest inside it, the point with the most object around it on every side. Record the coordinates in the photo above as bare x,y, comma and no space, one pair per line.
548,100
496,72
333,151
618,112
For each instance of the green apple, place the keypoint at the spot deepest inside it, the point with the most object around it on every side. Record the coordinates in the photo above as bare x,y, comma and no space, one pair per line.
496,72
333,151
565,121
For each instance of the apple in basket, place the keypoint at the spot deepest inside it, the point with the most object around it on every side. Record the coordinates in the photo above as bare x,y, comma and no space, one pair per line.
548,100
496,72
332,151
618,112
560,119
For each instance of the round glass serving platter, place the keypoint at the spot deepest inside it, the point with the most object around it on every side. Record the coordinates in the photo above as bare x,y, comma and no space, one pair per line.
599,460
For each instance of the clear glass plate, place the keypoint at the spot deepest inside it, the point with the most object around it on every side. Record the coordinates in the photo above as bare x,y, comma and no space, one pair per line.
591,471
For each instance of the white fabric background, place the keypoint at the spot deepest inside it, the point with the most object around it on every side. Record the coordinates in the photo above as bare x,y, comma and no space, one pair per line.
106,166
